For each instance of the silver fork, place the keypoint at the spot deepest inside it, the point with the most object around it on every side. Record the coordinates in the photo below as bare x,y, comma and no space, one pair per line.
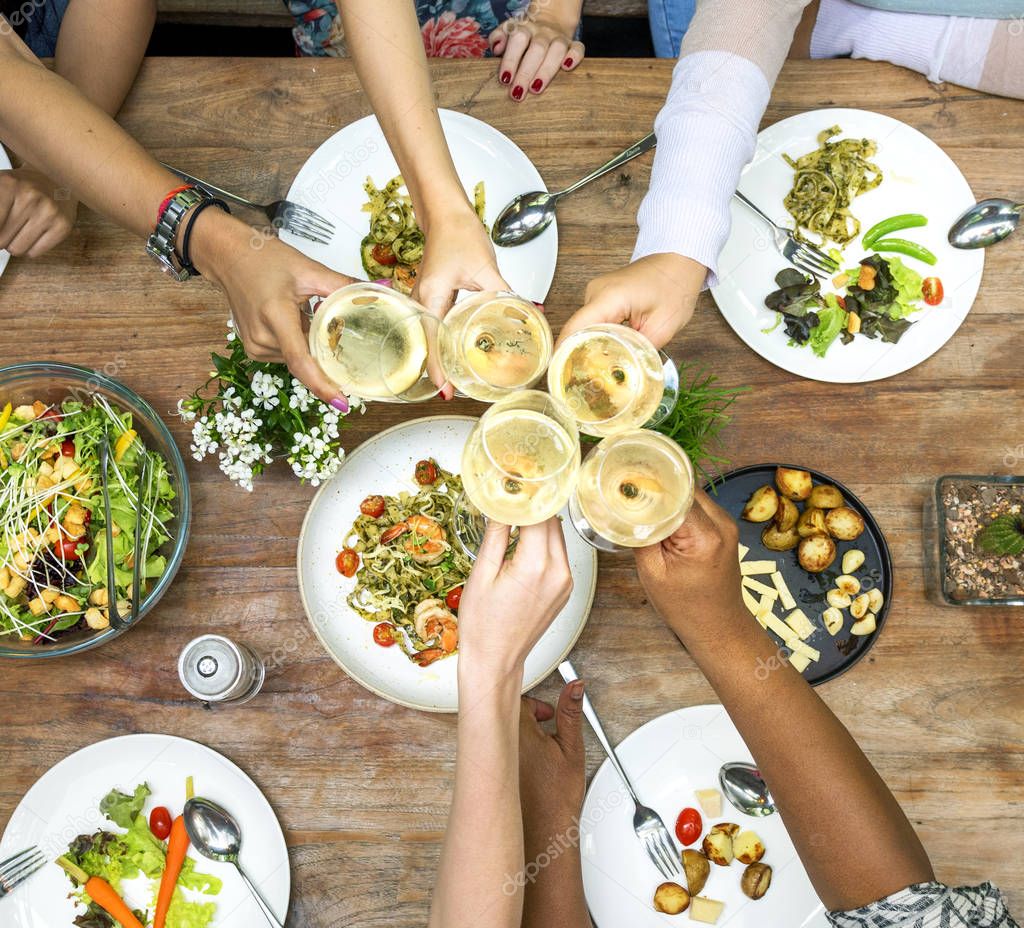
283,214
18,868
647,824
808,258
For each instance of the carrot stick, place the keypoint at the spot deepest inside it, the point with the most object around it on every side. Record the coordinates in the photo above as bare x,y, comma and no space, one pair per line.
102,893
177,848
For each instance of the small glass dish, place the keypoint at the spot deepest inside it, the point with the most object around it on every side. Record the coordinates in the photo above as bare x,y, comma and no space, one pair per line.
956,572
52,383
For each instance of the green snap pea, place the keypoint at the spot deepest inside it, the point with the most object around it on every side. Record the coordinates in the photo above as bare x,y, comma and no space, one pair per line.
892,224
904,247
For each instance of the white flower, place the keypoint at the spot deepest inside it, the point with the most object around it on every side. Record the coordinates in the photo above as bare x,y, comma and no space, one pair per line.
266,388
232,334
186,414
204,439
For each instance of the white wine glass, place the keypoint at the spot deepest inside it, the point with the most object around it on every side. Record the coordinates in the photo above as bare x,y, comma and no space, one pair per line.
634,489
613,379
493,344
378,344
519,465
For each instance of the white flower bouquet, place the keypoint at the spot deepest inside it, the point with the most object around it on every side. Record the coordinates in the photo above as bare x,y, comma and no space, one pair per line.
250,413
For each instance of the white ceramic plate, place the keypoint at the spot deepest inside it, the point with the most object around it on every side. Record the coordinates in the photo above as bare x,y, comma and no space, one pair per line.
331,183
5,165
667,759
64,803
919,177
384,464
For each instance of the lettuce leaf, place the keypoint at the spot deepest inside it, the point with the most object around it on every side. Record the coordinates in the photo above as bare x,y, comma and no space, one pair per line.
831,321
121,808
908,289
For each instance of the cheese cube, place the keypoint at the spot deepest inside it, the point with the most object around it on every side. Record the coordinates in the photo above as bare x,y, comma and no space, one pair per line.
748,600
710,801
785,596
798,647
758,587
775,624
757,567
705,910
800,661
743,550
798,621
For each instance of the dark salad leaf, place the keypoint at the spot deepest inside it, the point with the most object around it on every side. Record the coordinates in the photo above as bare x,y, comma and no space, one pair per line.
799,328
797,299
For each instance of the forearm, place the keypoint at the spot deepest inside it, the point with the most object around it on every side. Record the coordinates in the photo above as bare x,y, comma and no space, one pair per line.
387,49
862,847
101,46
554,892
707,130
563,13
479,864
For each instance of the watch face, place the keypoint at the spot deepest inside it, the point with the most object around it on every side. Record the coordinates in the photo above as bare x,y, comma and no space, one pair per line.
153,249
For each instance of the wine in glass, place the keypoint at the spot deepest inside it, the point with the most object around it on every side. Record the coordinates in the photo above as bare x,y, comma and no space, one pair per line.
634,489
493,344
612,379
377,344
519,464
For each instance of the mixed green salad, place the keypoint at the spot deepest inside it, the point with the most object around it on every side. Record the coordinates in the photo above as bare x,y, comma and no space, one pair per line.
874,300
53,564
114,856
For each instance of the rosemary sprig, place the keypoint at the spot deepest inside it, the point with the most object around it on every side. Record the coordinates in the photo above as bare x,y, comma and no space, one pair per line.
697,420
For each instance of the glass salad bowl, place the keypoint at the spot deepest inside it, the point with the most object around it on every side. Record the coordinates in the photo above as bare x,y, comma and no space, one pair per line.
52,384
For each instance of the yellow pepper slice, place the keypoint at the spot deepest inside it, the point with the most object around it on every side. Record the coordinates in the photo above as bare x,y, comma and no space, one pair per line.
5,415
124,443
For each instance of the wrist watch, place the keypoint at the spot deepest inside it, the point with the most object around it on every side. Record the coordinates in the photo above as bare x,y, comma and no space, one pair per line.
160,245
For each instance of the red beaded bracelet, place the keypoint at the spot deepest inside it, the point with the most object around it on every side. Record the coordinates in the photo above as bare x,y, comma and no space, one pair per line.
167,200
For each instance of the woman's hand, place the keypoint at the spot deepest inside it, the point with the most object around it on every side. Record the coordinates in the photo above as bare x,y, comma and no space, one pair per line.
655,295
32,219
508,604
534,47
694,574
267,283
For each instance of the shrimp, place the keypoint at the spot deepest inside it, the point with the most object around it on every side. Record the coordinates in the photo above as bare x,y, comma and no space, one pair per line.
435,623
427,541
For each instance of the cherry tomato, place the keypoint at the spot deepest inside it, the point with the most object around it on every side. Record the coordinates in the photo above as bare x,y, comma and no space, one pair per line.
384,634
67,448
931,290
372,506
383,254
689,826
426,473
453,599
67,549
160,823
841,302
347,562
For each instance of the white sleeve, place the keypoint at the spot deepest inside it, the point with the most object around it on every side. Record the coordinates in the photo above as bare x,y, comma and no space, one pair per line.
707,132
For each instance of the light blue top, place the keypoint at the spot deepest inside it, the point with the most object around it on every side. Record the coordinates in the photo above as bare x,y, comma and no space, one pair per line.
979,9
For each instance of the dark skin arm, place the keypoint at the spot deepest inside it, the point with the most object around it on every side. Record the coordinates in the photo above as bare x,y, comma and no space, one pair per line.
693,580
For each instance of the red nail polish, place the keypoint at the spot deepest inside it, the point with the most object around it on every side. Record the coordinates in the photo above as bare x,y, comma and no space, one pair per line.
517,93
506,76
536,85
567,63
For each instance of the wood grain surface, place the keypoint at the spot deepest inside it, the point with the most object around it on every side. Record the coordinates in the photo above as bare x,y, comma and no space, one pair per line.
361,786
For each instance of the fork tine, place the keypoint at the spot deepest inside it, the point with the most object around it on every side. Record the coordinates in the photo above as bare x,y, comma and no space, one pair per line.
23,871
311,217
801,260
817,257
656,859
670,850
304,232
294,224
10,860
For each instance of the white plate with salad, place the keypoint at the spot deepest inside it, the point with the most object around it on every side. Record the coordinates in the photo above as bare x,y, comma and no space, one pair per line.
669,759
911,318
331,182
381,469
113,787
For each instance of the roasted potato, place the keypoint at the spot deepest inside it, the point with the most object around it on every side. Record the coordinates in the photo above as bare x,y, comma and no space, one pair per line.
833,619
775,540
811,522
837,599
859,607
816,553
786,515
875,599
864,626
671,899
849,585
852,560
747,847
844,523
717,847
825,496
697,870
755,880
762,505
793,484
729,828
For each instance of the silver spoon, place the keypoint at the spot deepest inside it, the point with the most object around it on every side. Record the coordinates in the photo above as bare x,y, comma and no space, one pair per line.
987,222
529,214
745,789
216,835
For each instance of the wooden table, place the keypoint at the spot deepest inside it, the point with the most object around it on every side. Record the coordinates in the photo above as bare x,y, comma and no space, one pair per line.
362,786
